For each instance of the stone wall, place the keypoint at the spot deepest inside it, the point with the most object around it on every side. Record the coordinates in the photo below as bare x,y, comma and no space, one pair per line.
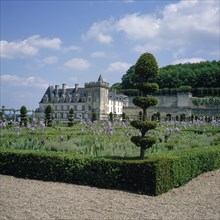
175,105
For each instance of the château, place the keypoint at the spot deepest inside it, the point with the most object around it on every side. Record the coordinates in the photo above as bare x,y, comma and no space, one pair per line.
94,97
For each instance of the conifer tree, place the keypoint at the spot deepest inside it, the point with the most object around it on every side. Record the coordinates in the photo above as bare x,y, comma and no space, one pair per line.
70,117
48,116
23,115
146,68
94,117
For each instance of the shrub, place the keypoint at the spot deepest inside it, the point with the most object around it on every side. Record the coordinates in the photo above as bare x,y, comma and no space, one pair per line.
153,176
71,118
23,115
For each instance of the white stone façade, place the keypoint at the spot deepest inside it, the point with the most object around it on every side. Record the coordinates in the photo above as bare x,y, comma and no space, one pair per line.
93,98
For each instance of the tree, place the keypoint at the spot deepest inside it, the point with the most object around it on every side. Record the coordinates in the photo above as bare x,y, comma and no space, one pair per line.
94,117
23,115
204,74
70,117
48,116
129,78
111,116
146,68
123,116
116,86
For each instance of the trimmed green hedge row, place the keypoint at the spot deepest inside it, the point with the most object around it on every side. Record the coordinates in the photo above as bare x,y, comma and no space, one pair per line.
153,176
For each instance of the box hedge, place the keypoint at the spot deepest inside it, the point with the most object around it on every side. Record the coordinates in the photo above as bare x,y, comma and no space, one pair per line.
157,174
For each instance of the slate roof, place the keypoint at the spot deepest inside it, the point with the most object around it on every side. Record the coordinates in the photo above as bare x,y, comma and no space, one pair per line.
51,92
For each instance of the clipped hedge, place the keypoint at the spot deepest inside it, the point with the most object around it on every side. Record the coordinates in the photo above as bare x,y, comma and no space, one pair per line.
153,176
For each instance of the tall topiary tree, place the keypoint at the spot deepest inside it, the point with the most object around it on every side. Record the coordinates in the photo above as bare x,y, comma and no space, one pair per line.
146,68
48,116
23,115
71,117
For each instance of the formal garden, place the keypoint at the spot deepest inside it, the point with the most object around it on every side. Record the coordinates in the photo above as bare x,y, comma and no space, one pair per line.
108,139
141,156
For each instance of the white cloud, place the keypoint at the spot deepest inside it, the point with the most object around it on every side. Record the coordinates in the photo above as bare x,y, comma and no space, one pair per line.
38,42
50,60
71,48
77,64
104,38
189,60
142,48
100,31
118,67
98,54
17,49
17,81
28,47
192,15
180,27
138,26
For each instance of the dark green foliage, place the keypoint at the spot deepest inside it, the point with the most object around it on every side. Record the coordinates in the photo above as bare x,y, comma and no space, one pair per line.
123,116
145,102
203,74
71,118
94,116
111,116
128,92
128,80
116,86
48,116
23,115
184,89
140,115
144,142
148,88
153,176
144,126
146,68
199,78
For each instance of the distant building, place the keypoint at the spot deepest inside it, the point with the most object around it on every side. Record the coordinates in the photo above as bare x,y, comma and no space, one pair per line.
96,98
93,98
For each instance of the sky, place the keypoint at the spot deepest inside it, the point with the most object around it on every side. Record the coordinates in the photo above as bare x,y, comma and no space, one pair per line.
53,42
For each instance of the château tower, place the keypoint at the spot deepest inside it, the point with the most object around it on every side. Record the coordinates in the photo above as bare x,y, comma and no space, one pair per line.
97,93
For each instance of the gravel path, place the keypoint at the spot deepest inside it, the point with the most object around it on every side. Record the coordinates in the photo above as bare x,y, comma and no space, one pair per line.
30,199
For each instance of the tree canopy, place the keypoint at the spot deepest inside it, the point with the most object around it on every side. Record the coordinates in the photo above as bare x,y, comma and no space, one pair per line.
184,76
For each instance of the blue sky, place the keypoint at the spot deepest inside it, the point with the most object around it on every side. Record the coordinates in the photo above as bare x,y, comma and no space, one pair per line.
53,42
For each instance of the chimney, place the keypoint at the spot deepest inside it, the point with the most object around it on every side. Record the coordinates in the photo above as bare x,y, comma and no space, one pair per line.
64,88
76,87
56,87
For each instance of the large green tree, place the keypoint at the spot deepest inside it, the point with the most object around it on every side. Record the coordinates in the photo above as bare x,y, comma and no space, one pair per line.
128,79
146,68
172,77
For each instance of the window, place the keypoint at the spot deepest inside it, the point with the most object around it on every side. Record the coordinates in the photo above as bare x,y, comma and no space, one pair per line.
75,107
83,107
